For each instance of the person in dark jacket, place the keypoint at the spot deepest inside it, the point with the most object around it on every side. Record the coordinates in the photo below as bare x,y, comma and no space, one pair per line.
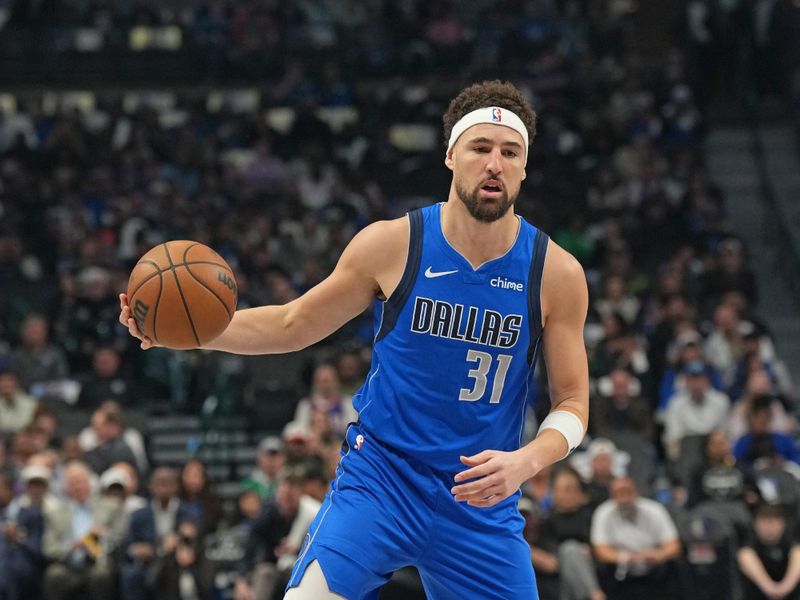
152,531
185,573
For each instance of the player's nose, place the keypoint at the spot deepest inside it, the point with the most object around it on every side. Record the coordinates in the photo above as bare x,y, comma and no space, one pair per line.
494,162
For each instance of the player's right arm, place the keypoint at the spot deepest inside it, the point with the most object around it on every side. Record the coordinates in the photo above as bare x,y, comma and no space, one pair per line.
371,266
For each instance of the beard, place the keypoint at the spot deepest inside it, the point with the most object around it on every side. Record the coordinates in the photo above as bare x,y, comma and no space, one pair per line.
486,212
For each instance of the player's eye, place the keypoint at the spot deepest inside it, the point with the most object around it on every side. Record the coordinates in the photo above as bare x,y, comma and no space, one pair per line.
482,149
509,153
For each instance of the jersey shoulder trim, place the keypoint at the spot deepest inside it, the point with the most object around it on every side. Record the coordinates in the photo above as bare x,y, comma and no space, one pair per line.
394,304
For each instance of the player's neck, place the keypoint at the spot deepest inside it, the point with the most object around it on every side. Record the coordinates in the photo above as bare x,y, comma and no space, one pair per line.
475,240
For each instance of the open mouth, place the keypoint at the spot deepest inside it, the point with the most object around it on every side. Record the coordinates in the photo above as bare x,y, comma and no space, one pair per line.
492,186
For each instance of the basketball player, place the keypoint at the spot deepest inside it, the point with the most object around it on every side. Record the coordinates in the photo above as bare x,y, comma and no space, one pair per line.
466,292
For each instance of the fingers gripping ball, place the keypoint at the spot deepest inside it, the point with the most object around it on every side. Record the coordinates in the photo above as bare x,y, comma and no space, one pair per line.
182,294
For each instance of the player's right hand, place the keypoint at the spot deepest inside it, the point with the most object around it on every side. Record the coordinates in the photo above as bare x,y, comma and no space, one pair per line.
126,318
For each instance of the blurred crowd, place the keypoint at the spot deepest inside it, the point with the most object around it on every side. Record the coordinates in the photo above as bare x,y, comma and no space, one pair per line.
688,481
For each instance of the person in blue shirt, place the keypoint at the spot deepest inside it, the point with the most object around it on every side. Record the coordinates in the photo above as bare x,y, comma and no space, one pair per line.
466,294
759,442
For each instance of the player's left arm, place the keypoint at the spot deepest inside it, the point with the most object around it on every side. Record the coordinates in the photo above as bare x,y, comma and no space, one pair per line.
494,474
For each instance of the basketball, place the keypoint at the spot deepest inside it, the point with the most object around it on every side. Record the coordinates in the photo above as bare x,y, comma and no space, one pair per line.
182,294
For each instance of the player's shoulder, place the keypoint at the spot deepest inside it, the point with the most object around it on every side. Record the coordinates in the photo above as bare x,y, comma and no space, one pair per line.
564,288
379,242
562,268
562,262
388,230
383,236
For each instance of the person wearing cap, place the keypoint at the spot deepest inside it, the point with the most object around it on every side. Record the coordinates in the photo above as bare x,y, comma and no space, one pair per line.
270,460
21,567
694,412
598,466
759,442
466,295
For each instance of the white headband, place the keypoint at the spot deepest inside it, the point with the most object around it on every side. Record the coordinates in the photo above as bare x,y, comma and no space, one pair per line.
492,115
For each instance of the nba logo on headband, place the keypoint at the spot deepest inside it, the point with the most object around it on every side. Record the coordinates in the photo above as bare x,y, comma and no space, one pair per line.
497,116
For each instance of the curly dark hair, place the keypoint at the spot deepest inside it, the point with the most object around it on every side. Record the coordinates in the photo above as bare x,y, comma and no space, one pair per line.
490,93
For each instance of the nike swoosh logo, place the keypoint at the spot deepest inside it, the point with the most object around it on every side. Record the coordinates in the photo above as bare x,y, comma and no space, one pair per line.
430,274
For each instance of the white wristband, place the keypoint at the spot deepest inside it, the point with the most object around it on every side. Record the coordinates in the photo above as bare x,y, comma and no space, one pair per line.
568,425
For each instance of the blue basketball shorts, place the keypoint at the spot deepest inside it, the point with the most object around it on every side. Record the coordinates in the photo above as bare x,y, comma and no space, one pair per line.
385,510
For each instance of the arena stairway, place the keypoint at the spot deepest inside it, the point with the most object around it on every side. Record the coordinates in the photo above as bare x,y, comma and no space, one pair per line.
733,165
226,445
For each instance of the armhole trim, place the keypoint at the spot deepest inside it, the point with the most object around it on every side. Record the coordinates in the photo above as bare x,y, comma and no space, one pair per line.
394,304
535,293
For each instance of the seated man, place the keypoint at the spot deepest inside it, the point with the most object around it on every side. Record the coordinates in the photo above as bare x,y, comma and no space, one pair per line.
770,558
635,543
79,540
564,536
151,533
759,442
21,539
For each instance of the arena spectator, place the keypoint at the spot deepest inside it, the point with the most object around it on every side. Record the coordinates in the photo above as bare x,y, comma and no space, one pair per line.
687,348
105,381
275,538
51,461
769,559
125,474
697,411
720,479
89,437
46,421
598,466
564,535
270,462
724,344
326,396
758,442
197,496
22,534
759,384
635,544
185,573
619,407
38,360
79,540
351,372
111,448
151,533
16,407
617,300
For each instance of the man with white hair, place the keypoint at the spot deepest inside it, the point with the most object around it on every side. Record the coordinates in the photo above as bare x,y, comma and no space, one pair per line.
78,540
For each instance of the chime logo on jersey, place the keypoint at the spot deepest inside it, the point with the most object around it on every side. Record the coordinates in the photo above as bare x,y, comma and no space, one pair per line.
497,115
466,323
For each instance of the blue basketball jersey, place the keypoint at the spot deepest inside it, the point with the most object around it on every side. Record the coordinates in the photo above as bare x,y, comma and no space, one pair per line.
455,348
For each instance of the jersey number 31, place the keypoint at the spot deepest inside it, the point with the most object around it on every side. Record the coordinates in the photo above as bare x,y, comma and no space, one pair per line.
481,372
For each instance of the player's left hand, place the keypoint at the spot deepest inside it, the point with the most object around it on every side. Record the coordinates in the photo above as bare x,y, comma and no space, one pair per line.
495,474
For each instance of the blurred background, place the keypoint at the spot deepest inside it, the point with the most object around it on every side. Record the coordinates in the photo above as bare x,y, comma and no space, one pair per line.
667,161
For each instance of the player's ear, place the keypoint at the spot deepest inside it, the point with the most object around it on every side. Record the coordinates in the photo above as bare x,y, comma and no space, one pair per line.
448,159
524,174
